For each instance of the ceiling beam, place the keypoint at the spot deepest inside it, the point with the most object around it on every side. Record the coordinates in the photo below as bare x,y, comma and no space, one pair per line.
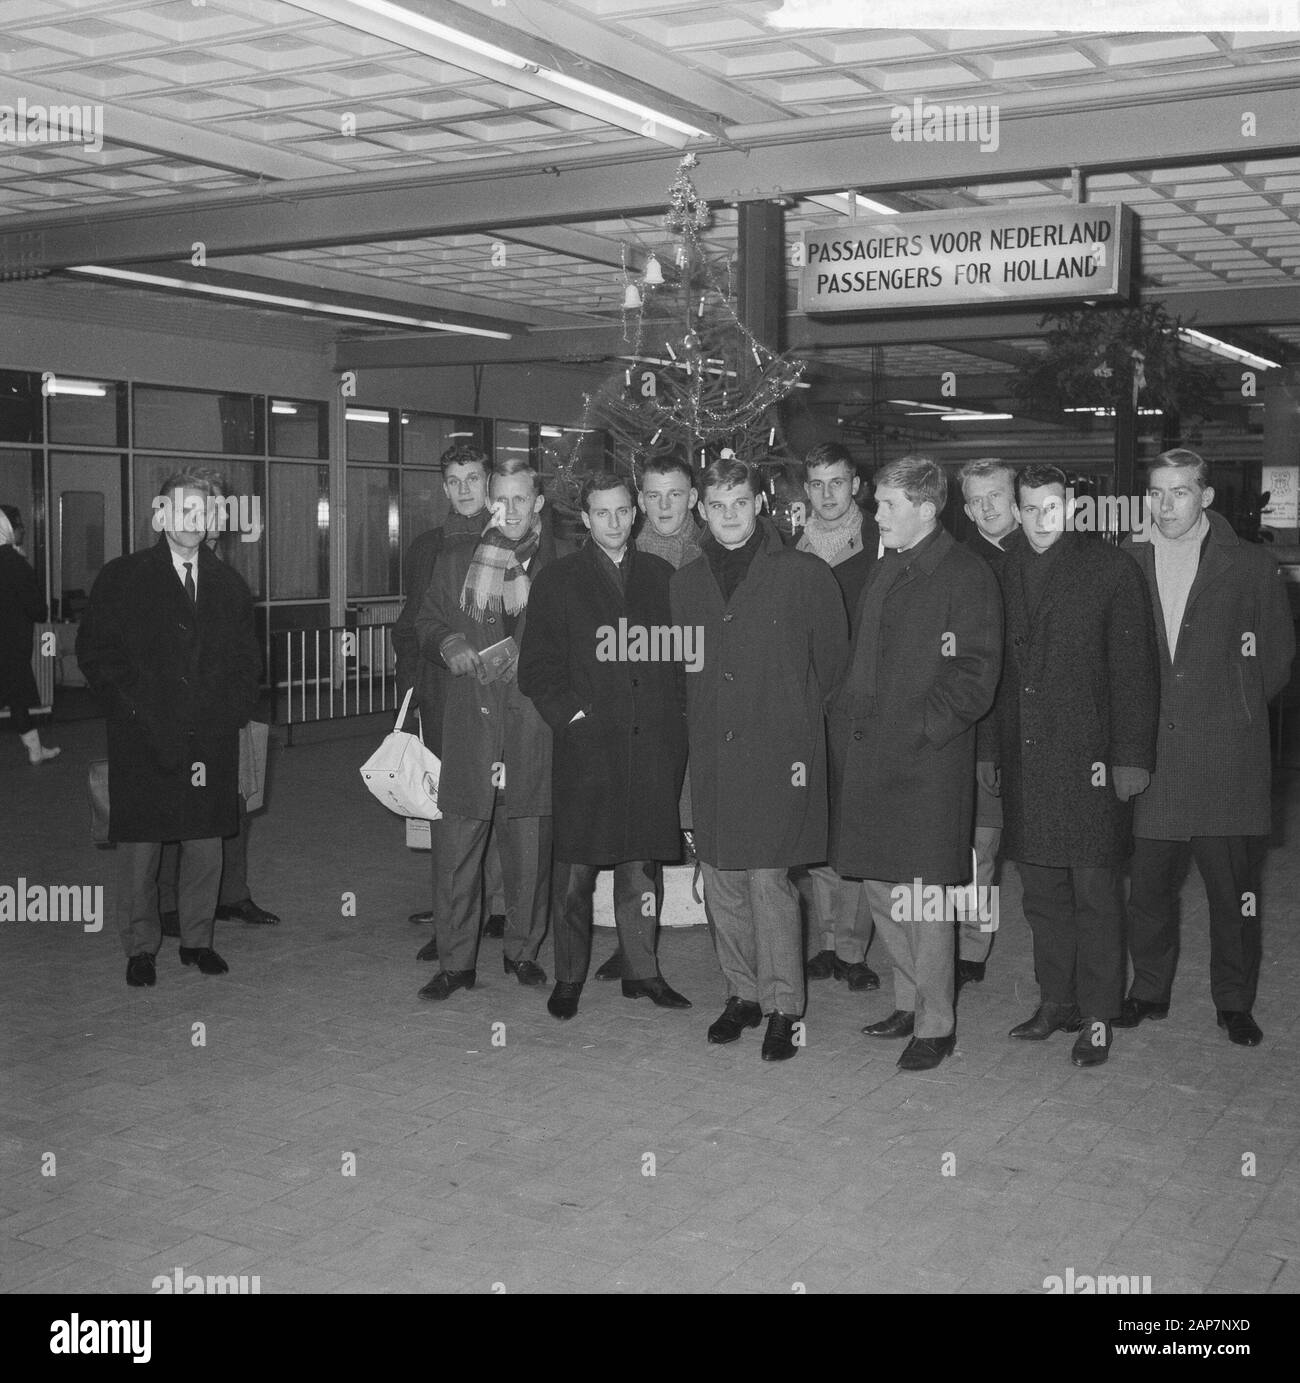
599,44
976,333
807,160
190,140
328,280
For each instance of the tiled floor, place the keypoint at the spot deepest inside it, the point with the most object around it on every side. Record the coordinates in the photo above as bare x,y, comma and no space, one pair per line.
618,1152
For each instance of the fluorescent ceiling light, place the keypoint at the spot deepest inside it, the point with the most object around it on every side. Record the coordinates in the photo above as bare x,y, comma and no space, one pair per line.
248,295
397,24
975,417
367,415
286,408
83,388
552,432
1222,348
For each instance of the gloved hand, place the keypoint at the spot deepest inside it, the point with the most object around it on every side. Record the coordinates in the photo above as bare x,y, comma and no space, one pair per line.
989,777
1129,782
461,657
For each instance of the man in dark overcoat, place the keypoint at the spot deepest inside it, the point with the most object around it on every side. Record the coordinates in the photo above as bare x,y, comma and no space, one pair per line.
927,649
988,491
842,535
600,663
774,641
464,482
496,760
1226,640
1076,721
167,645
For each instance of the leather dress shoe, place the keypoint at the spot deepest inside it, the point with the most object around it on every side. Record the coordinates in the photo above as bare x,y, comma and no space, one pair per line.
495,926
612,968
925,1053
1133,1011
1242,1028
171,923
429,951
446,982
861,977
1092,1046
899,1024
563,1002
658,990
525,971
737,1015
140,971
821,966
205,958
968,972
778,1040
423,919
247,911
1048,1018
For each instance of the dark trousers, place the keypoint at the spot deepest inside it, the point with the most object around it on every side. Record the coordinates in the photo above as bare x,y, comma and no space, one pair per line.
234,868
1078,924
137,893
636,915
460,843
1231,868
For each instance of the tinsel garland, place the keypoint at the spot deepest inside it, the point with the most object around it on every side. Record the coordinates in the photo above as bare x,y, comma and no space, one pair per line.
706,384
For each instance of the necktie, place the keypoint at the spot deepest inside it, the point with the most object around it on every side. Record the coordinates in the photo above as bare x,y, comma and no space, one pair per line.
190,589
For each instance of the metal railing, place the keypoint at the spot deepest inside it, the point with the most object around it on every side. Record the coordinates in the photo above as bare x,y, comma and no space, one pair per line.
334,673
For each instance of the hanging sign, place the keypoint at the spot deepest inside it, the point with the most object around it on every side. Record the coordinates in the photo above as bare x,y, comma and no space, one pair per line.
969,258
1282,486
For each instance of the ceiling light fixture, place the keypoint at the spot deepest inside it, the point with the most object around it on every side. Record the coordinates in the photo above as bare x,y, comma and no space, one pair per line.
82,388
411,29
278,300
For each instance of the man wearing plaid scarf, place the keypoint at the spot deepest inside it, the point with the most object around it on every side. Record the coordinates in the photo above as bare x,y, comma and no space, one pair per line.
496,765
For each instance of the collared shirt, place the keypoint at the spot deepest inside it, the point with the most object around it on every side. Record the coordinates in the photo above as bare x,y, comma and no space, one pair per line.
180,563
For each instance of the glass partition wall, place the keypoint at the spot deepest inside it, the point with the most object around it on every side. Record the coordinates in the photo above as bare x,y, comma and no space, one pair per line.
83,461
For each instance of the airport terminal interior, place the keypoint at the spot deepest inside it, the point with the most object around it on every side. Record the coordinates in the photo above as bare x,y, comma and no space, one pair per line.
314,244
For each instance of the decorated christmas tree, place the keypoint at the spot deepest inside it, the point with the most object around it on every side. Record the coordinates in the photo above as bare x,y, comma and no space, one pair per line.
694,382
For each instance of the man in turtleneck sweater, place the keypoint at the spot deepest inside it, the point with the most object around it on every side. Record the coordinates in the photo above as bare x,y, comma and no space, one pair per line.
1226,644
774,641
1076,729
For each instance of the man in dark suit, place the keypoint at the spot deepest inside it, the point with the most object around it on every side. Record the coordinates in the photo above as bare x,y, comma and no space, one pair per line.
774,640
464,482
597,662
1226,644
167,645
988,488
1076,721
924,665
496,760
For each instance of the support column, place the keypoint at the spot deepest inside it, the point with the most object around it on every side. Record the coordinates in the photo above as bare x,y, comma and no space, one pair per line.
760,282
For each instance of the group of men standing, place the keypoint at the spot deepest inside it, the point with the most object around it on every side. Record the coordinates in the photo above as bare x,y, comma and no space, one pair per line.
879,705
